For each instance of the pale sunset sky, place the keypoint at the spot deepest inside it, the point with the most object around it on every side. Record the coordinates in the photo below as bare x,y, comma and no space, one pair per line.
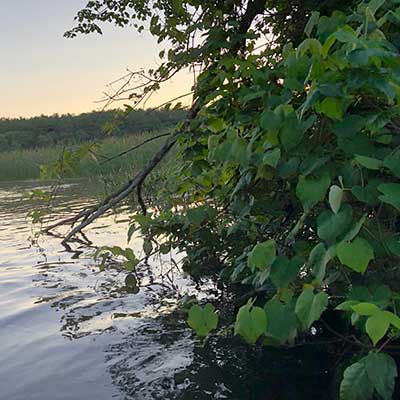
44,73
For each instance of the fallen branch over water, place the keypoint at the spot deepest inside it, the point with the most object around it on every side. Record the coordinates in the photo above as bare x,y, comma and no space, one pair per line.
87,216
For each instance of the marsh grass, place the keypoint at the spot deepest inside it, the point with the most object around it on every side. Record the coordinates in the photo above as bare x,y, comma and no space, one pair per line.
25,164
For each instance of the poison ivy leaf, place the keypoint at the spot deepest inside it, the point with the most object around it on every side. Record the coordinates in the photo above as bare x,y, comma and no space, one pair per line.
335,198
202,320
391,194
310,191
356,255
332,107
284,271
282,322
251,323
262,255
330,225
309,306
369,162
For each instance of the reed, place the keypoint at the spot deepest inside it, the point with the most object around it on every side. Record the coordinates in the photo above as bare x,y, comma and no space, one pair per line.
25,164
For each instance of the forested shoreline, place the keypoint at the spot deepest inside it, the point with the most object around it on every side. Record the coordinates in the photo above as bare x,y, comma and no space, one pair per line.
68,129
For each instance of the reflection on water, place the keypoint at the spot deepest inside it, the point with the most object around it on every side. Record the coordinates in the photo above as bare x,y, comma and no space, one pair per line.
68,331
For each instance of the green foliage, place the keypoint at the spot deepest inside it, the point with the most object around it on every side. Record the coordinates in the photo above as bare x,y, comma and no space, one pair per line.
202,320
310,306
374,373
356,254
262,255
251,322
288,179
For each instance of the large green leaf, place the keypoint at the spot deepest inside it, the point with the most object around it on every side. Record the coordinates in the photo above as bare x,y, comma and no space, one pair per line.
272,157
356,384
282,322
374,373
284,271
391,194
369,162
332,107
356,254
382,371
251,323
262,255
310,190
367,194
377,326
310,306
202,320
330,225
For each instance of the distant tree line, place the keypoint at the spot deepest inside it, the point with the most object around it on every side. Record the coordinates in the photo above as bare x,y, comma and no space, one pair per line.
27,133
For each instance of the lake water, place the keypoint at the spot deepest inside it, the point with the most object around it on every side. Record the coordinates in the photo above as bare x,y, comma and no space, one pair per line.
68,331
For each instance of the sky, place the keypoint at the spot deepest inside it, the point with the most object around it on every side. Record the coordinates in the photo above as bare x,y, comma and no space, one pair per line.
42,73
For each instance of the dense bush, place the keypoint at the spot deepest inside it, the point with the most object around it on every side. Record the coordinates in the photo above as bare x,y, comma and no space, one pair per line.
290,181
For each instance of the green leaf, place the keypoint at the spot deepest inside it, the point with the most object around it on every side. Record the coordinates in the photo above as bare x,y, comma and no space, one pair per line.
377,326
382,371
283,271
366,308
391,194
375,372
196,216
393,245
282,322
392,162
332,107
272,157
262,255
216,125
251,323
356,255
309,306
368,194
203,320
147,247
369,162
356,384
335,198
330,225
318,261
131,284
346,305
310,190
312,22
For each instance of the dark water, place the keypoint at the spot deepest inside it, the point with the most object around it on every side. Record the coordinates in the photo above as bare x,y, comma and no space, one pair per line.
69,332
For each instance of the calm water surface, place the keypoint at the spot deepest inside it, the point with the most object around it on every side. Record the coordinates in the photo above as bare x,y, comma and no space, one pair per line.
68,331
